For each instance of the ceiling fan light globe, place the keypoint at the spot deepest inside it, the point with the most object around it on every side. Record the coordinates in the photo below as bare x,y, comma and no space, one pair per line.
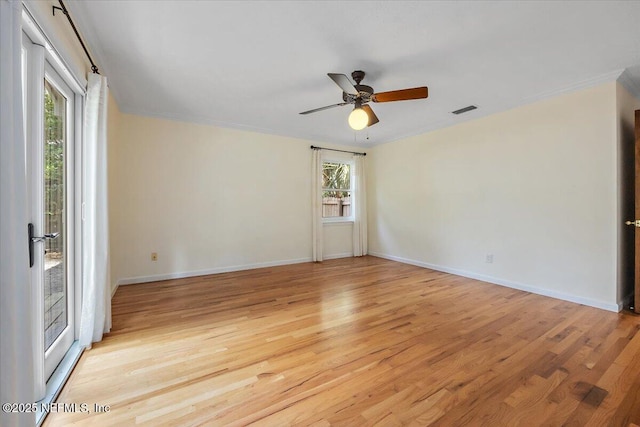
358,119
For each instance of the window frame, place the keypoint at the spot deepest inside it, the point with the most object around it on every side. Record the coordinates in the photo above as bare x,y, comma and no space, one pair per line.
352,164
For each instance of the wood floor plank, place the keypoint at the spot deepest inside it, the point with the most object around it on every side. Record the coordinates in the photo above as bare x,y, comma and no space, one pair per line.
356,341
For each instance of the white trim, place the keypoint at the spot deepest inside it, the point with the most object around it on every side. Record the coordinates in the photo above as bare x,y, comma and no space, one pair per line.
58,380
34,133
206,272
336,256
573,87
337,220
509,284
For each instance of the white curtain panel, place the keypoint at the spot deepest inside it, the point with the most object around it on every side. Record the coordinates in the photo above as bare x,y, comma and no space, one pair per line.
360,208
17,384
316,204
96,284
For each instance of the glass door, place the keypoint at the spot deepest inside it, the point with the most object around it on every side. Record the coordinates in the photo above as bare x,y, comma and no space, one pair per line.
52,108
50,132
55,176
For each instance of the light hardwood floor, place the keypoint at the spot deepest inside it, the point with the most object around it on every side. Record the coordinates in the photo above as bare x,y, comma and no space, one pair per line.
358,341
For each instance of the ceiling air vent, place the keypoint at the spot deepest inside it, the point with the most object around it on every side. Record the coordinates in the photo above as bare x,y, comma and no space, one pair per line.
464,110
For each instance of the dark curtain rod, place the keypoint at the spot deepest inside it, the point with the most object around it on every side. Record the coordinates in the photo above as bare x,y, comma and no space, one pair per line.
64,10
313,147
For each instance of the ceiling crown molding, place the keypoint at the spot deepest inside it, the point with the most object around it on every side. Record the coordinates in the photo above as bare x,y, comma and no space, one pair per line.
629,83
583,84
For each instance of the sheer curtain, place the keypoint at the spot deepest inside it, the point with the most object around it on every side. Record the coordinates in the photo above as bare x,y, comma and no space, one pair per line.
17,357
360,208
96,285
316,204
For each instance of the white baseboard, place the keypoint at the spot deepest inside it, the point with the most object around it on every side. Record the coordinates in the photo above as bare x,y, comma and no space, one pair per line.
494,280
183,274
336,256
514,285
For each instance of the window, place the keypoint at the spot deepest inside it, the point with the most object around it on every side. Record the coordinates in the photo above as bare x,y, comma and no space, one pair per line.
336,190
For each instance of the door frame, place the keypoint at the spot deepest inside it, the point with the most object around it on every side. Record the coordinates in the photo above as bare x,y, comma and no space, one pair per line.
45,61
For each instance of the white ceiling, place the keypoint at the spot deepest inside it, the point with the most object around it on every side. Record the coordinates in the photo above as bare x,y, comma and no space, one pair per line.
256,65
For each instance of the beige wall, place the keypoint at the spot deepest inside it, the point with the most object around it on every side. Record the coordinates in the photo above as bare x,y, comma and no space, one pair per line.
536,187
208,199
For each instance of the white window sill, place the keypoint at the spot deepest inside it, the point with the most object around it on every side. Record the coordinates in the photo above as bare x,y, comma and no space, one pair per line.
337,221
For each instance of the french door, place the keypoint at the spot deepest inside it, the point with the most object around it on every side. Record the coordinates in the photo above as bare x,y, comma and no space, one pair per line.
51,127
55,220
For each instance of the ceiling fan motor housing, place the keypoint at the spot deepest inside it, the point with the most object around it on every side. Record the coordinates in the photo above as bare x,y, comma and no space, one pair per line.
364,96
365,91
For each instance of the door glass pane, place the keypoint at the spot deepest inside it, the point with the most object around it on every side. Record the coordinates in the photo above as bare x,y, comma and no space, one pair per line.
55,282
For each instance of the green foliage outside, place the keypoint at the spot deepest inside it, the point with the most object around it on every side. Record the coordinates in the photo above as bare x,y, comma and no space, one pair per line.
53,169
335,176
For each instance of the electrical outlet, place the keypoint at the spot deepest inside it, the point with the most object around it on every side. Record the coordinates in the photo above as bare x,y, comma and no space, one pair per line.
154,256
489,259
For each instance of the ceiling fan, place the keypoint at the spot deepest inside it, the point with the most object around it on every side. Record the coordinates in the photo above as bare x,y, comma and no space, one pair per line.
359,95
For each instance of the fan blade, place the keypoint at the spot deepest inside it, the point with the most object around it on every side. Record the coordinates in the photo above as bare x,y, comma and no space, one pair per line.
401,95
324,108
344,83
373,119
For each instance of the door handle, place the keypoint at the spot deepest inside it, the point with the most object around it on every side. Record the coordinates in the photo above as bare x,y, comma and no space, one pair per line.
30,234
50,236
34,239
635,223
